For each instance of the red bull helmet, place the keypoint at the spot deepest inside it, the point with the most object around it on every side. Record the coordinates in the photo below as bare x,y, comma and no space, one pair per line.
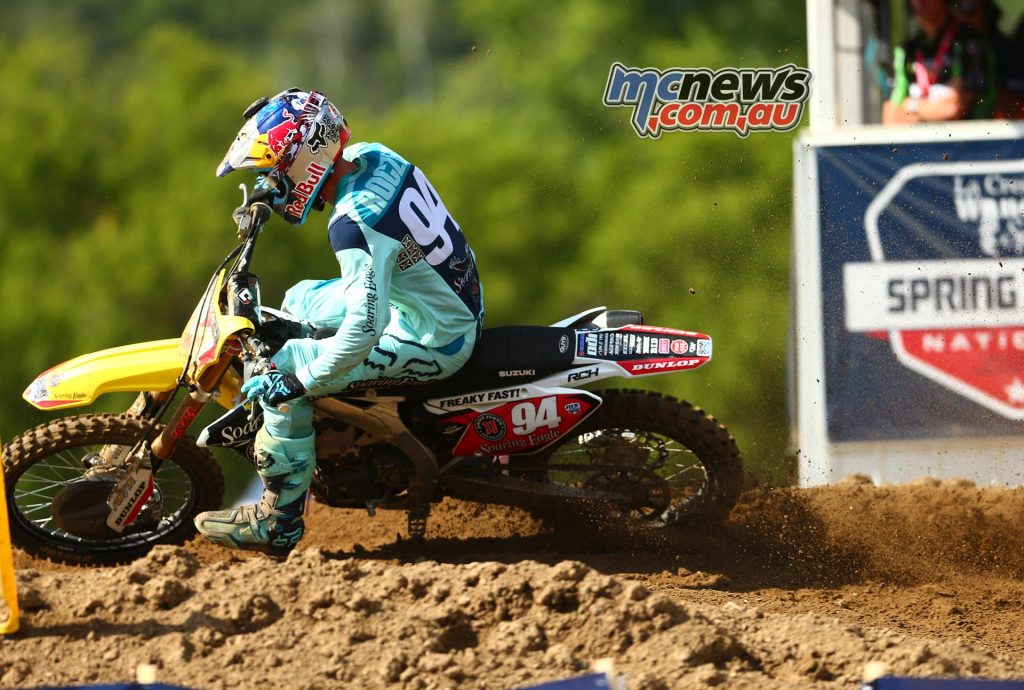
293,140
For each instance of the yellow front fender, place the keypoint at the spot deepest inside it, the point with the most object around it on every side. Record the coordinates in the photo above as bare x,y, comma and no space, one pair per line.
153,366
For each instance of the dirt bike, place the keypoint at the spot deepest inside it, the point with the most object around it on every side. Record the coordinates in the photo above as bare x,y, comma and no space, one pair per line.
511,427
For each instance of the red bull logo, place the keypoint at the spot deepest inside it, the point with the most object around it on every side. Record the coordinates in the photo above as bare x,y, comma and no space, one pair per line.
279,136
305,189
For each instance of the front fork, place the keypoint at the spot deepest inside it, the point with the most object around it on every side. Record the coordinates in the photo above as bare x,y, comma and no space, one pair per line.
134,489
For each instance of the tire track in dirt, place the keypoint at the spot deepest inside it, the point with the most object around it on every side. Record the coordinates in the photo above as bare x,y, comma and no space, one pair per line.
939,561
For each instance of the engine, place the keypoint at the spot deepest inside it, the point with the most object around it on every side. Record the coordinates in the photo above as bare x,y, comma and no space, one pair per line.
354,470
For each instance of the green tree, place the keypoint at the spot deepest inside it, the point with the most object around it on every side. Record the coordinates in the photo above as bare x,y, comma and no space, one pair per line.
116,114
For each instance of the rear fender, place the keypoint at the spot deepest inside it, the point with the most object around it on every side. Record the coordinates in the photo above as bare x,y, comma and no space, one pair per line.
152,366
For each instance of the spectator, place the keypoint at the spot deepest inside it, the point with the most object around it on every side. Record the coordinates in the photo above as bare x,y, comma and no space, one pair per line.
944,72
982,16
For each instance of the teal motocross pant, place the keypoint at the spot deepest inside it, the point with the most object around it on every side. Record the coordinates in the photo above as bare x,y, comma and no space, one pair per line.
398,355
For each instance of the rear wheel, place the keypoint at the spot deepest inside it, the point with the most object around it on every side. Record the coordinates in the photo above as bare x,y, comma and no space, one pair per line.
670,462
59,475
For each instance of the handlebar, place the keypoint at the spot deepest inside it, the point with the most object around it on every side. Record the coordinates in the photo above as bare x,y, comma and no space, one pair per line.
251,216
249,226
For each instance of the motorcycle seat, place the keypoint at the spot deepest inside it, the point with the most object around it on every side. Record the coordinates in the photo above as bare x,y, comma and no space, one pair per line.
503,356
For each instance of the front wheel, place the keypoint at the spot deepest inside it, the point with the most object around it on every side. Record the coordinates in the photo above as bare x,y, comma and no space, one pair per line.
58,477
668,461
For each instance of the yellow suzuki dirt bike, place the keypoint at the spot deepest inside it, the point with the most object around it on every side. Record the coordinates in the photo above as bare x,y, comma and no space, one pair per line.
512,427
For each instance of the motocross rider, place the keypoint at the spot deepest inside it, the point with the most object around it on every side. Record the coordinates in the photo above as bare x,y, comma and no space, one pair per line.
408,305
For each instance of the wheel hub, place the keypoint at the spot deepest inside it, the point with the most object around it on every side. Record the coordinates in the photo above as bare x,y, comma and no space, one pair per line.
648,494
80,508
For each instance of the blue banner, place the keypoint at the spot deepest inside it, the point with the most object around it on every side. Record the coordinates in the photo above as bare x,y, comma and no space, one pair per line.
903,683
922,269
592,681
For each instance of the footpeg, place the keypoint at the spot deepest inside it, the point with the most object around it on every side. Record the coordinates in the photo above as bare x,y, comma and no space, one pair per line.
418,522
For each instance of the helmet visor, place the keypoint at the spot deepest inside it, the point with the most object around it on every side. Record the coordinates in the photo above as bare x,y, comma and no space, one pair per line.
249,151
263,140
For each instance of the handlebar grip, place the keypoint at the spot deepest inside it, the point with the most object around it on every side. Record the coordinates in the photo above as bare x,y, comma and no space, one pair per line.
261,212
251,218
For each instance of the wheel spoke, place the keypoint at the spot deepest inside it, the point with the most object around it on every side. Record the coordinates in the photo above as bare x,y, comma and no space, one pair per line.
39,494
59,472
164,480
682,471
32,506
47,485
42,522
68,458
38,480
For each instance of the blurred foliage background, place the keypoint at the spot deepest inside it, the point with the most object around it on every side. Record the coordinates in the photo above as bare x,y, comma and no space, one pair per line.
115,113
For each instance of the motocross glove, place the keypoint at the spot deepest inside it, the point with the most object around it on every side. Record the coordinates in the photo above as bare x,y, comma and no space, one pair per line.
247,218
273,388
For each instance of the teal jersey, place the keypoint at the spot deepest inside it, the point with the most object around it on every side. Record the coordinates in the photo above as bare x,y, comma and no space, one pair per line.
402,256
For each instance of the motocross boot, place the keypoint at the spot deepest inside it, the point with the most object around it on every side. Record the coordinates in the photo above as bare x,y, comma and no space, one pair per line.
273,525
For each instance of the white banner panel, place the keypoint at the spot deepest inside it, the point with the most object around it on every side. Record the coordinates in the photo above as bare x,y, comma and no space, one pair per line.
914,295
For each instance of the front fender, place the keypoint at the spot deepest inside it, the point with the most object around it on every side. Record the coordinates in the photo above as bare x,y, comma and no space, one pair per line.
153,366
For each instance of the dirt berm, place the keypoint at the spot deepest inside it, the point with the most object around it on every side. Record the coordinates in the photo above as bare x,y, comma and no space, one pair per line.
801,588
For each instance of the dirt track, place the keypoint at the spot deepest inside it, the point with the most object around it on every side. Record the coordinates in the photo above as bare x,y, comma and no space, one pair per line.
800,587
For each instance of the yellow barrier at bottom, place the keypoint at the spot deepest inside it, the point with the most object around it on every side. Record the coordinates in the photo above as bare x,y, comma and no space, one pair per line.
7,562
